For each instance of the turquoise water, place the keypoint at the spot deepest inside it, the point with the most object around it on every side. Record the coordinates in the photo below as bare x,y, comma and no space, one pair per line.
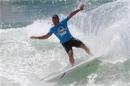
103,26
19,13
22,13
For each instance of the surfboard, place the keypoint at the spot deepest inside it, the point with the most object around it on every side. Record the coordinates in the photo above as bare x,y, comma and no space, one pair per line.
62,74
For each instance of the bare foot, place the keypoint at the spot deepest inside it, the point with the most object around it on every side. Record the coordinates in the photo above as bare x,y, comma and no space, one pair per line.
91,54
72,64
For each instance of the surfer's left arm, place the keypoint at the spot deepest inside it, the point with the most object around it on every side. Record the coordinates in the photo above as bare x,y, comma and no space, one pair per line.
76,11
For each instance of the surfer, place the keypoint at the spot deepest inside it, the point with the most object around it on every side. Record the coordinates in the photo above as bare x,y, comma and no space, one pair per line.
60,29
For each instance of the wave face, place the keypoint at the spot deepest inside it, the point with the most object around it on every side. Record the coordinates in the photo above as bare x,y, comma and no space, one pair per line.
103,27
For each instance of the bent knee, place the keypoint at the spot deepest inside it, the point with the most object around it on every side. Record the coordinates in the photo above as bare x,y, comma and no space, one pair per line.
82,45
70,53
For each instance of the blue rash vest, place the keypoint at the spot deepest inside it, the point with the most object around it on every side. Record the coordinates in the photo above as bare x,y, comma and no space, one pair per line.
61,31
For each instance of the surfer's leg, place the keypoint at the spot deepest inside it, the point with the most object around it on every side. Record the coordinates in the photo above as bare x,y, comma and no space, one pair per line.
87,50
80,44
71,57
68,48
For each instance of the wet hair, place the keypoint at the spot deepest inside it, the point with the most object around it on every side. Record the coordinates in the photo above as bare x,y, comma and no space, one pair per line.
54,16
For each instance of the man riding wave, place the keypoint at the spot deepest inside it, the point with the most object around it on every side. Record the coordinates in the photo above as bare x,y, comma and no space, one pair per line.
61,30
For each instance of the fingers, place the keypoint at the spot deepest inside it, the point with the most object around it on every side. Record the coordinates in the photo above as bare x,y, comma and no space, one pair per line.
81,7
32,37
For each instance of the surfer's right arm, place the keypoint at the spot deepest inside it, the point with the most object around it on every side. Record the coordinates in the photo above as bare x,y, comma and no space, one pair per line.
41,37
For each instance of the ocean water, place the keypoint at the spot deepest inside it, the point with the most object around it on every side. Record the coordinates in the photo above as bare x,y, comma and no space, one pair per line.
104,26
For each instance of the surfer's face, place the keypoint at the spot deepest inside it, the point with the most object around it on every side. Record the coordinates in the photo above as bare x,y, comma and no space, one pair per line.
55,20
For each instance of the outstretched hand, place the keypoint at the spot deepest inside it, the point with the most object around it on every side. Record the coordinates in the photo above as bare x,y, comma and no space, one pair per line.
81,7
76,11
32,37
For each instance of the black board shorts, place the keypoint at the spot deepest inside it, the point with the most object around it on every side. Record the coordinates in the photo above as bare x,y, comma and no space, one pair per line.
72,43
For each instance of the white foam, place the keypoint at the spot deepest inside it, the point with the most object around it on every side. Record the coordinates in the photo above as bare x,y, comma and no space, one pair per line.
105,30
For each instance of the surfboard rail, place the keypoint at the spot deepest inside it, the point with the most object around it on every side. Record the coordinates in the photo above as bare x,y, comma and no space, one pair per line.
64,73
